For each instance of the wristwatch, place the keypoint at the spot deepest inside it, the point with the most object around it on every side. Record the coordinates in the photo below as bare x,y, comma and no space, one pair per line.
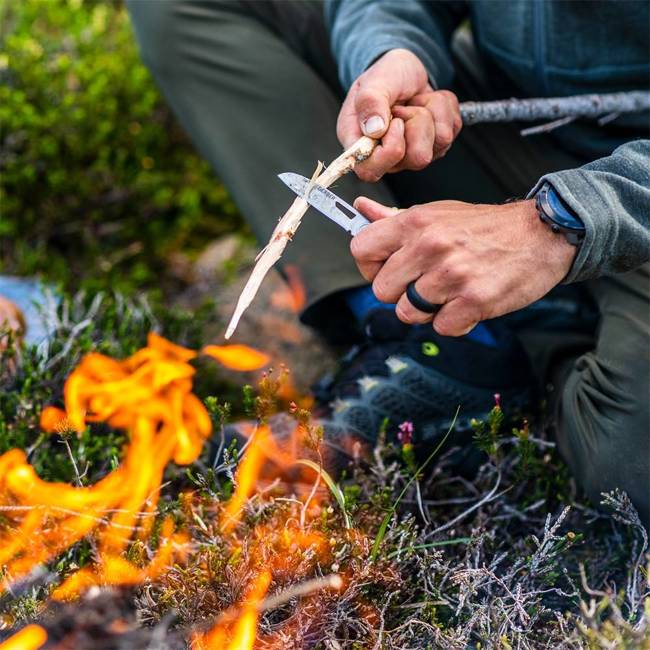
556,214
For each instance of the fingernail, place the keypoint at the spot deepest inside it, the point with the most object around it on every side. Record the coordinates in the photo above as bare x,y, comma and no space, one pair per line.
373,126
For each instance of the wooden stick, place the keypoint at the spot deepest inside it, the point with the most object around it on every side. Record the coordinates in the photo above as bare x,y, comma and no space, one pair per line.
289,223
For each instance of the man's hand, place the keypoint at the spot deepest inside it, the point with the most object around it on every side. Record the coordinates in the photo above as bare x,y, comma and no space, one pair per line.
393,100
477,261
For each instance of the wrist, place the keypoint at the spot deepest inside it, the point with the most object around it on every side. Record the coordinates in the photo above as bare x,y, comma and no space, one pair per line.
551,248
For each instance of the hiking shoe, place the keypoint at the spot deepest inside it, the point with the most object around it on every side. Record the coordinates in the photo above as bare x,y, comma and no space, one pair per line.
404,373
410,373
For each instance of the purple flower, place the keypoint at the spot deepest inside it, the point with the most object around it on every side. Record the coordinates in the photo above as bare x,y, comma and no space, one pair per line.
497,399
405,433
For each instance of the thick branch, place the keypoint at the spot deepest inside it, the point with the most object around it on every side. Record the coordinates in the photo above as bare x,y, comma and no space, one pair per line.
551,108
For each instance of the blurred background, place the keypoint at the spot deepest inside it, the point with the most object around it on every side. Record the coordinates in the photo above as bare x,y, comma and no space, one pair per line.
101,191
98,186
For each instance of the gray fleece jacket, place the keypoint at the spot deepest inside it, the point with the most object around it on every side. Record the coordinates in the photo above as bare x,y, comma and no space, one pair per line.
539,48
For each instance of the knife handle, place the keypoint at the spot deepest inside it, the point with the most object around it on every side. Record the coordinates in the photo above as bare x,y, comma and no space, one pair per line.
358,224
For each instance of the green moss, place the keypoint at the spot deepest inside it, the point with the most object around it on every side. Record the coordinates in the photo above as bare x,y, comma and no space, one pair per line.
97,184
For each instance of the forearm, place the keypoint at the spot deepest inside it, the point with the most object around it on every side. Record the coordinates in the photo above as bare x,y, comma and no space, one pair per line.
363,30
612,197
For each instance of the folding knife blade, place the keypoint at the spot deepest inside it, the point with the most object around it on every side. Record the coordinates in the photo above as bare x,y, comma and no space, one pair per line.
326,202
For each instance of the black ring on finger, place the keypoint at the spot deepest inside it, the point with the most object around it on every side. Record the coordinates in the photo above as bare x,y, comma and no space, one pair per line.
418,301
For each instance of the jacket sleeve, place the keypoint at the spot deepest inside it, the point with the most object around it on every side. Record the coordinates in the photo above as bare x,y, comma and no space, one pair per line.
362,30
612,197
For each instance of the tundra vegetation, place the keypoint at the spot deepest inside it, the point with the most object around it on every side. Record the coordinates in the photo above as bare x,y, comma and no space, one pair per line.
100,192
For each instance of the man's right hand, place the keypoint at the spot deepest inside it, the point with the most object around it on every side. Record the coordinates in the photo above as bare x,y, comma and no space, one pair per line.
394,101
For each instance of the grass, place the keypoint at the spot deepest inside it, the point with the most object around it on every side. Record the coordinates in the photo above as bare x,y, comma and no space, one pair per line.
508,558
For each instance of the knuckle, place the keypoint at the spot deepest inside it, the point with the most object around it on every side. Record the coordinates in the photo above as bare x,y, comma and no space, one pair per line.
450,275
357,248
396,150
421,159
449,96
381,290
438,103
443,327
458,274
474,302
444,135
429,243
414,218
368,175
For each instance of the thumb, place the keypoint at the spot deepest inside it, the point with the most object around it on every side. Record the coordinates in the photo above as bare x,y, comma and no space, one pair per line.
374,210
372,105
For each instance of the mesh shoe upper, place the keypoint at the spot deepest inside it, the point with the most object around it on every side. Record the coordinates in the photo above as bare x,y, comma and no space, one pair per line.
411,373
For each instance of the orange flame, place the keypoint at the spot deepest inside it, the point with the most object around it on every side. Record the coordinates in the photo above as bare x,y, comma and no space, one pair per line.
53,420
30,637
237,357
246,478
243,631
292,296
276,549
149,395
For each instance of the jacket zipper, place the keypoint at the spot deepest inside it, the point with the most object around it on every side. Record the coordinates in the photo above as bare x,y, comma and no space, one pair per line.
539,43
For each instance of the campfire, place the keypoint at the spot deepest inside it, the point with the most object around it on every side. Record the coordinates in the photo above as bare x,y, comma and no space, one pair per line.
176,544
149,395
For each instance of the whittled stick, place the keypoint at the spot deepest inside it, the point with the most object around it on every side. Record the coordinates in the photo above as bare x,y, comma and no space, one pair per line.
289,223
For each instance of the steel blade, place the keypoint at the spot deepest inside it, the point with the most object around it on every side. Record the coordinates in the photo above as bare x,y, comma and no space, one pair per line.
326,202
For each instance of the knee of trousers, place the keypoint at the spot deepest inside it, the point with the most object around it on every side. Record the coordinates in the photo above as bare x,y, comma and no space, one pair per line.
603,428
166,28
153,26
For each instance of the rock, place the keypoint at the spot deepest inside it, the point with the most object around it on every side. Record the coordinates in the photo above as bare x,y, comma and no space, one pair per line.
216,255
270,324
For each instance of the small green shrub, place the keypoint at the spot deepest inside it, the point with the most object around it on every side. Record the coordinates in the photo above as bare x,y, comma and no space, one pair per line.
98,184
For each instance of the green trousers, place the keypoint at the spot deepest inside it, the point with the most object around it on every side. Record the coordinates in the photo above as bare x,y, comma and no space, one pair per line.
255,85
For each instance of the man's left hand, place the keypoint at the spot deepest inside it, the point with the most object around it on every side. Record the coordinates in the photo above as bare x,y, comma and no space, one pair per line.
477,261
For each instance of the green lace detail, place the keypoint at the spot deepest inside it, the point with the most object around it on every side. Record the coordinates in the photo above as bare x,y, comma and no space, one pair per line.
430,349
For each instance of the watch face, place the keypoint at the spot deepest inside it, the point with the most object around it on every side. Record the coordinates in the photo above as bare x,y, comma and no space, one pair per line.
558,212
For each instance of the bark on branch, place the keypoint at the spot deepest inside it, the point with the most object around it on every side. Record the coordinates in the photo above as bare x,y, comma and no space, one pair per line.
551,108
